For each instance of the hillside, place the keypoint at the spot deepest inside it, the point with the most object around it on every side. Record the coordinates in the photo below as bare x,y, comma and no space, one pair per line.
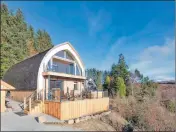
168,91
136,113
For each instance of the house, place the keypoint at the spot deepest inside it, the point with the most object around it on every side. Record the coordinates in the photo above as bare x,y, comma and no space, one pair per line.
49,80
58,67
4,88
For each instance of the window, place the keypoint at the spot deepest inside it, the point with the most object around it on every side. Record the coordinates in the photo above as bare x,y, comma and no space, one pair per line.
75,86
59,84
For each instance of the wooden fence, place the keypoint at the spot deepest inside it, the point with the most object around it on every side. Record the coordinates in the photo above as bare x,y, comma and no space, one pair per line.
73,109
52,108
19,95
78,108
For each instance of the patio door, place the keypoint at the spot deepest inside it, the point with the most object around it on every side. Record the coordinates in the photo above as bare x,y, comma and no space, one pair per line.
60,84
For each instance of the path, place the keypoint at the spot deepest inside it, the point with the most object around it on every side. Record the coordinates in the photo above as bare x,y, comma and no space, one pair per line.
10,121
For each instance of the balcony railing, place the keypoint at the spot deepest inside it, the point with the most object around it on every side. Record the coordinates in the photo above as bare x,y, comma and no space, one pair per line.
56,68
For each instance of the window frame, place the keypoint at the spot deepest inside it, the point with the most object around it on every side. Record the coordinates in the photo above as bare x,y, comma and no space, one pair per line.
75,84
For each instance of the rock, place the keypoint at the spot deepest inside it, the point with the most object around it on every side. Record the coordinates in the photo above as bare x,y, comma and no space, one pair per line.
98,116
93,117
65,122
77,120
103,114
127,128
82,119
88,117
107,113
41,119
70,121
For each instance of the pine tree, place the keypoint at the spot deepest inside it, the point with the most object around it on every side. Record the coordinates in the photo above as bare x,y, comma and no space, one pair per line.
30,42
42,41
99,80
17,41
7,26
120,69
20,36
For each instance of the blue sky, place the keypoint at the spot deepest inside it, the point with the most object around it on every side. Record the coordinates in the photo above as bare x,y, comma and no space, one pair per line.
100,31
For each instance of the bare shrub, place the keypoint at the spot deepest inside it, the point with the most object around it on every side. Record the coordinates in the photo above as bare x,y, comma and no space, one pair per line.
147,115
158,118
115,120
125,106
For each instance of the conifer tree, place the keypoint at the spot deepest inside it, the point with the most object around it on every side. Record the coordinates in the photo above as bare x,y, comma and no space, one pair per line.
42,41
30,42
17,40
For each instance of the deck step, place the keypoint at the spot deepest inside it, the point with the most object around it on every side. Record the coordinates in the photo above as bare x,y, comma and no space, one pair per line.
35,107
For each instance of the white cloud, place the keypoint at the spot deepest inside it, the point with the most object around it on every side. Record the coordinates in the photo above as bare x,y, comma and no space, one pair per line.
157,51
157,61
112,56
124,41
97,21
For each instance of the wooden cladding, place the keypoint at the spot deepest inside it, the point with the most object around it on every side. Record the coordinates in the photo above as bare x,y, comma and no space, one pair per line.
20,95
73,109
78,108
52,108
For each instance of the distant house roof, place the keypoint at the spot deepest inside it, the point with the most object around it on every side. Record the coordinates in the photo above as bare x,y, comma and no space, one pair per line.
23,75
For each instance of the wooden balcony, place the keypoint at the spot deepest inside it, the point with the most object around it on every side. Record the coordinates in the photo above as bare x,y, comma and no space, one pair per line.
63,60
63,75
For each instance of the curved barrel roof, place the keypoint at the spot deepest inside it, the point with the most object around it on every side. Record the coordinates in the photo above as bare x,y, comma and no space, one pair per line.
23,75
27,75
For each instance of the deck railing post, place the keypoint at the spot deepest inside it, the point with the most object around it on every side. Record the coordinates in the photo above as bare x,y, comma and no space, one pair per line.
73,95
90,95
24,103
97,94
43,98
37,94
60,95
29,104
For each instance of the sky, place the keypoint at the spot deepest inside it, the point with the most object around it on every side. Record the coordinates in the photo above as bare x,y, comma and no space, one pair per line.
142,31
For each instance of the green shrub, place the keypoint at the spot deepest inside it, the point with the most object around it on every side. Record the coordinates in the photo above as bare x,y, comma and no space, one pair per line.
120,86
171,106
106,83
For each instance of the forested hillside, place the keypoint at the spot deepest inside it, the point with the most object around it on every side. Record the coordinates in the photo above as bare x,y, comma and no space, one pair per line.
18,39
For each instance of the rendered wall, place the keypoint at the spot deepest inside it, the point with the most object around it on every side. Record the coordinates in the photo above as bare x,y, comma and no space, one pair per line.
70,85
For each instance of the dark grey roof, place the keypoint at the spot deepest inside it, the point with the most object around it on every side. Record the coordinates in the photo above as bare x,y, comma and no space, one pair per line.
23,75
